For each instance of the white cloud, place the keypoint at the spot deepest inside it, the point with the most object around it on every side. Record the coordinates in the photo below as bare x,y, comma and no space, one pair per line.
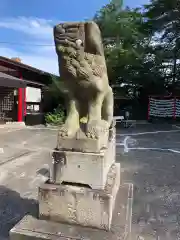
34,27
39,32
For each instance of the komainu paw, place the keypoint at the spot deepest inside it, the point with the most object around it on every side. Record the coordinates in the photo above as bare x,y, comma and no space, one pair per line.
63,131
95,129
66,131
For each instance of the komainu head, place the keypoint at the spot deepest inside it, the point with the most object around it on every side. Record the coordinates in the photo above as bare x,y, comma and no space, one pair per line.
80,36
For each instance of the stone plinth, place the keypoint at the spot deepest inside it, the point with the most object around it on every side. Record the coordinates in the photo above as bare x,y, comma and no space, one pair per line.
34,229
85,168
80,205
81,143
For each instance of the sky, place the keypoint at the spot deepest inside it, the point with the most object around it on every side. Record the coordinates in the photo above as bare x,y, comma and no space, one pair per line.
26,27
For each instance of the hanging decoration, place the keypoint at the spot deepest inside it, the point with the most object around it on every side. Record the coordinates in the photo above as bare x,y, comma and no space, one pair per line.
164,108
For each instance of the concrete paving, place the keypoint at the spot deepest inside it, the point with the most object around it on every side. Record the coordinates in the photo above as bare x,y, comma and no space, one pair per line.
23,153
151,162
149,156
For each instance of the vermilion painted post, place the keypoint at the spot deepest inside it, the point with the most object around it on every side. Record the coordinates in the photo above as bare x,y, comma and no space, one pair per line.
24,101
20,102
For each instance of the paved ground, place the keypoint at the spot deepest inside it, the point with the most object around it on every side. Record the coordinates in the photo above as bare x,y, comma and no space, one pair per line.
151,160
22,154
149,156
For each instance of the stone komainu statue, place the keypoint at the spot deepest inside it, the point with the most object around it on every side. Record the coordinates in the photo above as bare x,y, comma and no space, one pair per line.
83,69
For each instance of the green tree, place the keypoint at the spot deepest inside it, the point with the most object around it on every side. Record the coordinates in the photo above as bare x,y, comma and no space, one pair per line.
54,101
124,43
141,45
163,20
54,94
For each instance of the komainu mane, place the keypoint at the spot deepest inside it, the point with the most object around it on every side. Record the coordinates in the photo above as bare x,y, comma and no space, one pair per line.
83,69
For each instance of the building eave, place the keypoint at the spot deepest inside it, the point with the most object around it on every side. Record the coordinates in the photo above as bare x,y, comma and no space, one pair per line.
10,81
24,66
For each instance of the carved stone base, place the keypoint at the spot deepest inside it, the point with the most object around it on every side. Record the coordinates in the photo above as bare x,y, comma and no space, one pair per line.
80,205
34,229
85,168
80,142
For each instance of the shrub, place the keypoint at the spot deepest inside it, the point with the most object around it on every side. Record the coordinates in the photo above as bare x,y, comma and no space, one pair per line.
56,117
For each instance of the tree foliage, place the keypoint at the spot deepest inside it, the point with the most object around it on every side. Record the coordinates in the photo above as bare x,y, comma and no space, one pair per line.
164,21
142,45
122,40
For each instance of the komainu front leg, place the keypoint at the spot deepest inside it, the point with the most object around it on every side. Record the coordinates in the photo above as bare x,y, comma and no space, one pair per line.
71,125
95,125
108,107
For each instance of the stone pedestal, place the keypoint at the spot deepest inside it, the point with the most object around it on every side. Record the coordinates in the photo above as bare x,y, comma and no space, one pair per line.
81,194
85,168
80,205
84,185
35,229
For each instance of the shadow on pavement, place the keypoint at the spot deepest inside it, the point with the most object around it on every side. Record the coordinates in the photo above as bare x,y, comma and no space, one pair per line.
12,209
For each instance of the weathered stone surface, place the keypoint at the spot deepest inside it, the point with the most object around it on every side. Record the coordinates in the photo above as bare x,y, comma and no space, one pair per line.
34,229
82,65
85,168
80,205
81,143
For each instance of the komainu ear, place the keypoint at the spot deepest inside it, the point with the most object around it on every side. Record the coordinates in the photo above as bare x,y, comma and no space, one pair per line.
93,40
